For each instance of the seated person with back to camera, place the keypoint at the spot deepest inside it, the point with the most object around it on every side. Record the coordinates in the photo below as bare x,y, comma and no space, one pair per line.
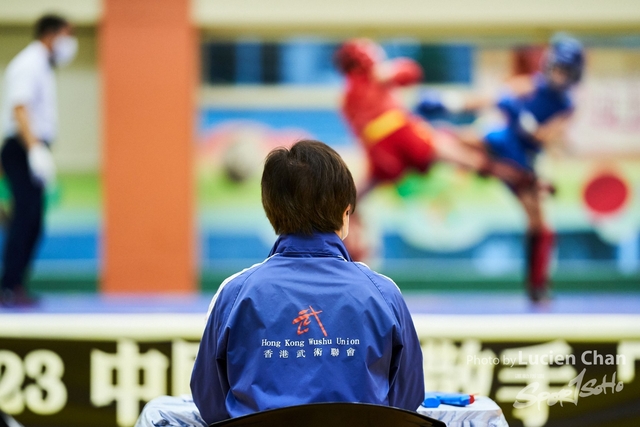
307,325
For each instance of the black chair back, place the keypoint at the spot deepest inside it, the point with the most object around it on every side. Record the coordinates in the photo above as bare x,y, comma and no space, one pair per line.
333,415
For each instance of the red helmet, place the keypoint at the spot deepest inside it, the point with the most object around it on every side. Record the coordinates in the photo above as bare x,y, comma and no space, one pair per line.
358,55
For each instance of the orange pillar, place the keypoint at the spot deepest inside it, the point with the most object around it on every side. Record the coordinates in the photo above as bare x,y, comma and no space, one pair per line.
147,54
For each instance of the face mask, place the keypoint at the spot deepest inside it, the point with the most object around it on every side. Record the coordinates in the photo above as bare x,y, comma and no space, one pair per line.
64,50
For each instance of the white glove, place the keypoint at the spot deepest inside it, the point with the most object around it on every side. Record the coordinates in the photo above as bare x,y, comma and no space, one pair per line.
453,102
41,164
528,122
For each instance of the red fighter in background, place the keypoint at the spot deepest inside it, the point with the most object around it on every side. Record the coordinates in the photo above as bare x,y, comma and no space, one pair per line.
395,140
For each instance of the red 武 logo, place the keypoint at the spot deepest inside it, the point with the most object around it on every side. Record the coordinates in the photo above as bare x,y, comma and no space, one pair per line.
304,319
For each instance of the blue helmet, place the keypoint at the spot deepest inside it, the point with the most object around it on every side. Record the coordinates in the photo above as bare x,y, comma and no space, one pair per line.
567,53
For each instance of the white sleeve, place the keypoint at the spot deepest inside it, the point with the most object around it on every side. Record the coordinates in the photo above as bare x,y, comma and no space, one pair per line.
21,87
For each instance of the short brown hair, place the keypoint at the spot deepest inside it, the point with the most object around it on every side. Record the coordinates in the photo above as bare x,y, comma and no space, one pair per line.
306,188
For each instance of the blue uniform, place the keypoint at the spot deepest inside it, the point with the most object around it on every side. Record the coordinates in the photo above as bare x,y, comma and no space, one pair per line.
514,143
306,325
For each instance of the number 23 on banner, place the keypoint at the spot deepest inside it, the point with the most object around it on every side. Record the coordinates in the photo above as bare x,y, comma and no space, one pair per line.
47,393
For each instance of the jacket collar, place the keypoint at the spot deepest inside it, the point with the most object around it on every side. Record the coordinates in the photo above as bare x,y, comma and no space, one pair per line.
317,244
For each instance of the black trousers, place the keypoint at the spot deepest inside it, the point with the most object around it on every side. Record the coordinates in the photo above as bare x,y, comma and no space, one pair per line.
26,221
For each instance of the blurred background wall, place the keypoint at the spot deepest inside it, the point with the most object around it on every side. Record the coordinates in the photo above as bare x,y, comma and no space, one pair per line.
266,77
498,21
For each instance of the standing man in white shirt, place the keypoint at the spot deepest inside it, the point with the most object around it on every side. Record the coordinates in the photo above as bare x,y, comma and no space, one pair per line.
29,114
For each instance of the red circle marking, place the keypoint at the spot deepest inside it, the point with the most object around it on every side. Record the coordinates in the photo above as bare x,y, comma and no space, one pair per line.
605,194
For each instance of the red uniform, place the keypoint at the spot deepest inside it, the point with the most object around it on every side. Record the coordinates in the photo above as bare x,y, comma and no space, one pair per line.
394,140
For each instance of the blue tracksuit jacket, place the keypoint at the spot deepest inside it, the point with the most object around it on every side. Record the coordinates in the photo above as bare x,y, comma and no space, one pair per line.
306,325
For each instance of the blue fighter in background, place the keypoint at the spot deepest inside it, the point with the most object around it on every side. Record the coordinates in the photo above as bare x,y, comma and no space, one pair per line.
537,109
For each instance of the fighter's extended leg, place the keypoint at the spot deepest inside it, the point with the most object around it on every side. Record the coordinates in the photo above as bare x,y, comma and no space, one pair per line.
450,148
464,150
539,245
